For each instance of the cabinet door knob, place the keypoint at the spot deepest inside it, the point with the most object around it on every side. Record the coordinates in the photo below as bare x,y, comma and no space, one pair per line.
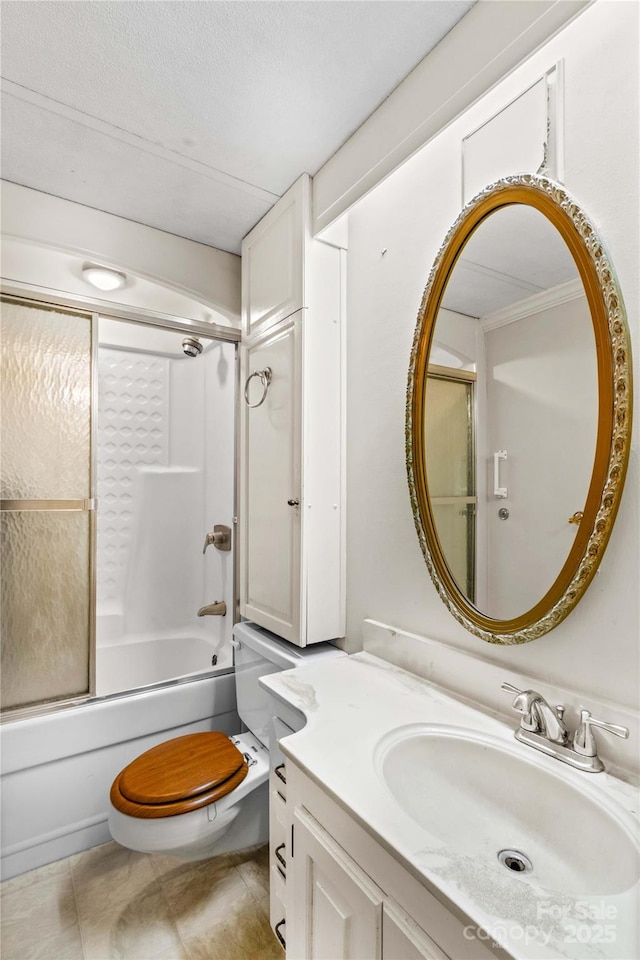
293,503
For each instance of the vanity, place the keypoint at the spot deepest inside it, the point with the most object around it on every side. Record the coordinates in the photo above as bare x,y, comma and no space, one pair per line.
412,824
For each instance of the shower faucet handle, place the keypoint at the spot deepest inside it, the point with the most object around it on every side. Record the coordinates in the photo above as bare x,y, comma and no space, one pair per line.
208,540
220,537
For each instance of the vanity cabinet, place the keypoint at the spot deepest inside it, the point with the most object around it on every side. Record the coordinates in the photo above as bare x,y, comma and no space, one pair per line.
403,939
335,908
279,828
292,430
338,911
347,897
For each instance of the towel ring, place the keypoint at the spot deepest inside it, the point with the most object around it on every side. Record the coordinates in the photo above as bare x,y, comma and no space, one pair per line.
265,378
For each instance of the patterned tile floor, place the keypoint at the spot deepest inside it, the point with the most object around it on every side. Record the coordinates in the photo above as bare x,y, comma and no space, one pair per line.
110,902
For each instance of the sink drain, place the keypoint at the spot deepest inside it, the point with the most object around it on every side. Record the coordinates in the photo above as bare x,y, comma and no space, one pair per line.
516,861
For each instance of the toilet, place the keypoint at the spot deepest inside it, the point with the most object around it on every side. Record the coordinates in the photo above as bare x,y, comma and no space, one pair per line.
203,794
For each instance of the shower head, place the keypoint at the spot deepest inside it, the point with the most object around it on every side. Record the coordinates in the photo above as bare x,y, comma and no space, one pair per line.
192,347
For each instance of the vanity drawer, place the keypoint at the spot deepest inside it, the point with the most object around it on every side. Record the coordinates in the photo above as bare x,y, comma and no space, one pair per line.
278,812
278,887
278,763
278,833
277,911
280,779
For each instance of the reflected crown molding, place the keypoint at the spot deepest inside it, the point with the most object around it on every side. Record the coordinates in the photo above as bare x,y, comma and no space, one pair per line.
530,306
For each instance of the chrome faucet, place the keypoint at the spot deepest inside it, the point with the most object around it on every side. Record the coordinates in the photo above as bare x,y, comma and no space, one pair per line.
216,609
544,728
537,716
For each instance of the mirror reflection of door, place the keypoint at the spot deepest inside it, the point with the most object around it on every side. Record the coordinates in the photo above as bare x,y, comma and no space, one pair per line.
521,294
514,312
541,385
450,454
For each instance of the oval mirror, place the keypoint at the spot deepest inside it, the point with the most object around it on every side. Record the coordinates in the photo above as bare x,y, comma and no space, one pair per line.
518,410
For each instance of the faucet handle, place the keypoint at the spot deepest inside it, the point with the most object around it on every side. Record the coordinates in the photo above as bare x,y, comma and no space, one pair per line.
584,741
524,704
509,687
220,537
208,540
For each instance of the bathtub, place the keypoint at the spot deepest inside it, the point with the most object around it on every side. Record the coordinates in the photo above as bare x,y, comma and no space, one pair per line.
57,769
148,660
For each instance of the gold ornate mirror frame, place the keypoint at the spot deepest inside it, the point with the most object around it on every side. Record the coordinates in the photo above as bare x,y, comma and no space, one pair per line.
614,407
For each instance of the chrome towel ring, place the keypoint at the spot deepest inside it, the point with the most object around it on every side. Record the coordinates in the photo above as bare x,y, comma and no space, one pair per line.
265,378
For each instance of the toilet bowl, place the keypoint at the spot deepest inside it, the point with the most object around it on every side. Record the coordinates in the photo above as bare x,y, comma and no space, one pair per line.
206,793
236,820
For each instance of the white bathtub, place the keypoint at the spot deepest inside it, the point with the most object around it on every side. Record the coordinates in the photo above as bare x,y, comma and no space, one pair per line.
149,660
57,769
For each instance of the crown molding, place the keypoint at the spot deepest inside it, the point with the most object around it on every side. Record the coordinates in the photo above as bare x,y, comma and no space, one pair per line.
554,297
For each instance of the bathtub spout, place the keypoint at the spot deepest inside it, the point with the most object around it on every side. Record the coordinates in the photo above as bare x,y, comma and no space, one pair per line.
216,609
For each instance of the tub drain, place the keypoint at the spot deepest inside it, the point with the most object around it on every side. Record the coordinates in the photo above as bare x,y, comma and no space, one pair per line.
516,861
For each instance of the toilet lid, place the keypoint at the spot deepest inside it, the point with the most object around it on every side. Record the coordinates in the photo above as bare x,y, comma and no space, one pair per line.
182,768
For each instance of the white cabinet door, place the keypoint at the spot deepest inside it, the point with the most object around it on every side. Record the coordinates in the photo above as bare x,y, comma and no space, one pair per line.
334,909
271,485
273,261
292,575
403,939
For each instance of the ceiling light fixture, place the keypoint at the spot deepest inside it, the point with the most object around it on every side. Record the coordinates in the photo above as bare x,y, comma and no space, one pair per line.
103,277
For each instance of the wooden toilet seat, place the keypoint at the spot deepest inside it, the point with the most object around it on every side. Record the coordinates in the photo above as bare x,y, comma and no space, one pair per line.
178,776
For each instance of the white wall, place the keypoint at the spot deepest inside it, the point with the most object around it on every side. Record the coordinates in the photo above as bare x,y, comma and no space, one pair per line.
595,650
482,47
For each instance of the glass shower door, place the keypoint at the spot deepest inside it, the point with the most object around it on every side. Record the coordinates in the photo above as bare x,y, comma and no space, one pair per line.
450,456
47,518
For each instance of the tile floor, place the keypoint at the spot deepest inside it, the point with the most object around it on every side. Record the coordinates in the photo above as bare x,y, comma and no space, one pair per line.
110,902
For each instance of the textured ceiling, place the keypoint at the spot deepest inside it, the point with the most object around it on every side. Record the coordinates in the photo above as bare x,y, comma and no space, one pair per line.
194,117
513,254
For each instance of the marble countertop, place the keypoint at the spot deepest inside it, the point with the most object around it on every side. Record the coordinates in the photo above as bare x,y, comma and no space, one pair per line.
350,704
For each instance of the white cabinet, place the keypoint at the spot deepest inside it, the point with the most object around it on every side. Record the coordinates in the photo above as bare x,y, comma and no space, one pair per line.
273,262
346,896
335,909
292,430
403,939
271,464
279,828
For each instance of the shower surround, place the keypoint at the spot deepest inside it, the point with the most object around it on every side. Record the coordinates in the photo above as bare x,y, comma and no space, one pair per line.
165,476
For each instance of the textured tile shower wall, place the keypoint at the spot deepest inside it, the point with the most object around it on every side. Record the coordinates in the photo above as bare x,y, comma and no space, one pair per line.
133,433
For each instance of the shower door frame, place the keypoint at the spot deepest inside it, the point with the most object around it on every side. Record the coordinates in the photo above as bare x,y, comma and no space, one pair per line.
94,308
468,379
88,505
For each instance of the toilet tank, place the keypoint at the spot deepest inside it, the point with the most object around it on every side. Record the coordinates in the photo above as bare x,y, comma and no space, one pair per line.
257,652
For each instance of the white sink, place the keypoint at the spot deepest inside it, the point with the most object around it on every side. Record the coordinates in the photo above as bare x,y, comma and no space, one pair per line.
479,795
